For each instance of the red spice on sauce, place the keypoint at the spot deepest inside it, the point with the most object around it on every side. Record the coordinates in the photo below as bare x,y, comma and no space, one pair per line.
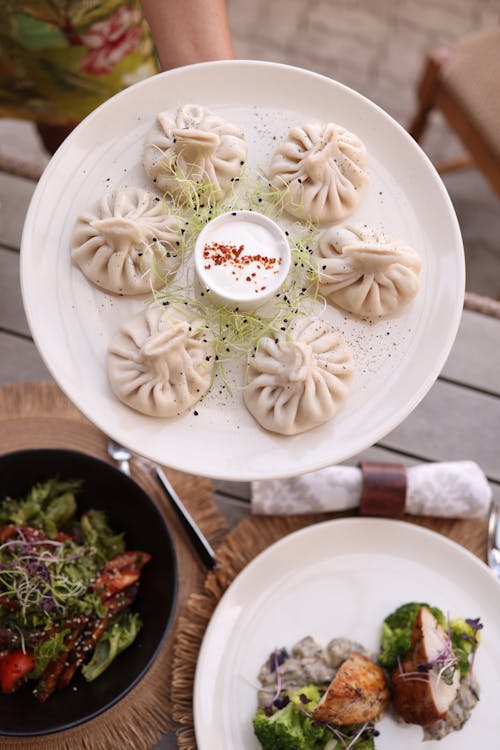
231,256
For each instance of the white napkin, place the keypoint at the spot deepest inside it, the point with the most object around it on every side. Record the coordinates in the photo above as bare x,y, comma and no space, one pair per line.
457,489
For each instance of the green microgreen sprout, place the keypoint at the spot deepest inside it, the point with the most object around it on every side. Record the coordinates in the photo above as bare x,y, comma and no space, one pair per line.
37,575
236,333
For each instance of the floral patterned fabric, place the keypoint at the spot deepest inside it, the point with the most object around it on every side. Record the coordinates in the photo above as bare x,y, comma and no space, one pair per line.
59,59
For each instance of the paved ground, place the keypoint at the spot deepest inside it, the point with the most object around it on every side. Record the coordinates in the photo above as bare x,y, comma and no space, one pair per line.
375,46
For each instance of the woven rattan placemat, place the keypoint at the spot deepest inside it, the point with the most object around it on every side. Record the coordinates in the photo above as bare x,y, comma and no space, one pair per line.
38,415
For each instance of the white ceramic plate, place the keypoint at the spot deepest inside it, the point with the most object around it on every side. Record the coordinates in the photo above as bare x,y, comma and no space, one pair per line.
73,322
341,578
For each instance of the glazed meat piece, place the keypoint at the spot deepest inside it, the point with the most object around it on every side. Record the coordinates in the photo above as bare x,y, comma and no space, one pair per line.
426,683
357,693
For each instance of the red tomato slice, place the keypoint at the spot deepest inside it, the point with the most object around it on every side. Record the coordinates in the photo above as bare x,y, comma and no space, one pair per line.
13,667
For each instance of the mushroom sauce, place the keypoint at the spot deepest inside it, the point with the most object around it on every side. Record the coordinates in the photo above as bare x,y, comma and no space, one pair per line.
308,663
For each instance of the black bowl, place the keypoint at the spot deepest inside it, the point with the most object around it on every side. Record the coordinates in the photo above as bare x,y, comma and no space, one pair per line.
130,510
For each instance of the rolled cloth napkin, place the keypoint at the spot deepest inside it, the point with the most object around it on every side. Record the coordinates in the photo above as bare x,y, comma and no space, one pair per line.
457,489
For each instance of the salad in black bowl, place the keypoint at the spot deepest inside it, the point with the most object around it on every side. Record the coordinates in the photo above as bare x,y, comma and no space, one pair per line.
87,588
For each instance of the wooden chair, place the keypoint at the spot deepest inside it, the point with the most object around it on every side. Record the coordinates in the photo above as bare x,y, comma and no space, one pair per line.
463,83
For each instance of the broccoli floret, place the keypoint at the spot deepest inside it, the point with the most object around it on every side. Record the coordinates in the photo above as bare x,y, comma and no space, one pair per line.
465,638
308,697
396,632
281,731
291,728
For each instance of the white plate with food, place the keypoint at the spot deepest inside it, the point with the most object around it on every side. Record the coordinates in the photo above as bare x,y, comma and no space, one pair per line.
341,579
396,358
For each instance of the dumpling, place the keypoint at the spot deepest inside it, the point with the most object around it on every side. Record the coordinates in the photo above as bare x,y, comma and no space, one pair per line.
161,362
298,380
365,271
195,145
321,169
127,243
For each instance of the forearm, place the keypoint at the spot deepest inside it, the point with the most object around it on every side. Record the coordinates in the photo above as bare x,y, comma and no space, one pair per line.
188,31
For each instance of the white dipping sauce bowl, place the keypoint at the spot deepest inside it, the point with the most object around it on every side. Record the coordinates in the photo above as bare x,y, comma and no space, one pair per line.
242,258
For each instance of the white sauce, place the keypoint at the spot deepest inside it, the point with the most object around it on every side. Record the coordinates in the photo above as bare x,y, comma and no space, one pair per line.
242,256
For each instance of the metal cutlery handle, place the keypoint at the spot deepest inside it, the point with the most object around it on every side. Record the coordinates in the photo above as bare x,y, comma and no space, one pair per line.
202,546
494,538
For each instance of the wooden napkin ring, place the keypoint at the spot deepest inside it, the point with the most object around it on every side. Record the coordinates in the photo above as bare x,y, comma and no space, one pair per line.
384,489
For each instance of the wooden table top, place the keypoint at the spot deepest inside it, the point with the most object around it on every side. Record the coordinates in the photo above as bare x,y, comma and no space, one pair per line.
458,419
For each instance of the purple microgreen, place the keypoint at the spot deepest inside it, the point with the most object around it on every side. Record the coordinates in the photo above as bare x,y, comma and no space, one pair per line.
304,710
476,625
349,737
275,657
346,708
357,736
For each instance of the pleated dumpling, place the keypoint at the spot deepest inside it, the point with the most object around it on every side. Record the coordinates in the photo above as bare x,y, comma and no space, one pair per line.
160,363
197,146
127,243
299,379
321,169
365,271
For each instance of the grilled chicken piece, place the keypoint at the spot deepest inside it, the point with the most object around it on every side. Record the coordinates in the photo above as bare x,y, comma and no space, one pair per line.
419,694
357,693
120,572
48,681
84,646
